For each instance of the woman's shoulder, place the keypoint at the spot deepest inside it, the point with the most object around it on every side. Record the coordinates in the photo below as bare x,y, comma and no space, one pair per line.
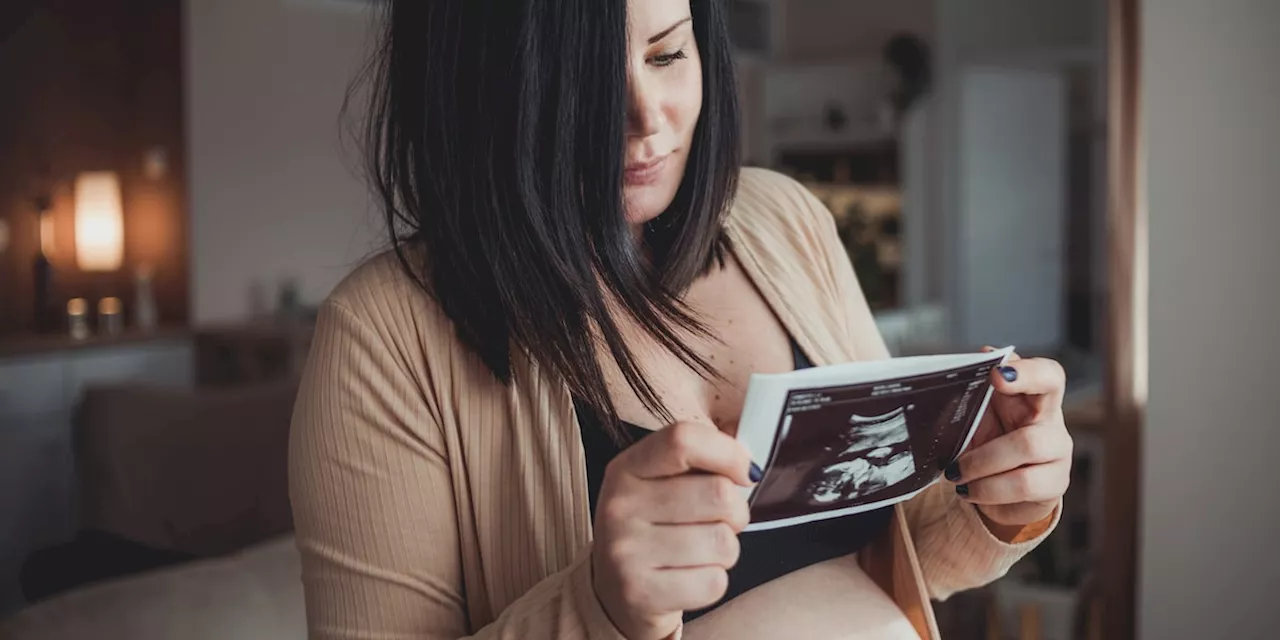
758,186
757,182
775,209
381,295
371,285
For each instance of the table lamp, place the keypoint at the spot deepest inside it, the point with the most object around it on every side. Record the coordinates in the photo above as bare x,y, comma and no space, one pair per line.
99,221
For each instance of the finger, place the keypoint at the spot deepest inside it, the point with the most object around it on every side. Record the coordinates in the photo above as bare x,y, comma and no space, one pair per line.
688,446
1041,378
1013,357
1038,483
695,499
687,546
684,589
991,426
1037,444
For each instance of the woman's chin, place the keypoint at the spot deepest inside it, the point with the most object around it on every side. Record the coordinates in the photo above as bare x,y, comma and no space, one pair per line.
645,203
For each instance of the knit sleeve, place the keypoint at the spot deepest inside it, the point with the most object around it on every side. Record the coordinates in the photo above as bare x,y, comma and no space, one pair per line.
375,509
956,549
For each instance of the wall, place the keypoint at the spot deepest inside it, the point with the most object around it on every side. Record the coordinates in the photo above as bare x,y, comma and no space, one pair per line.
975,28
817,29
1209,566
91,85
1012,205
272,194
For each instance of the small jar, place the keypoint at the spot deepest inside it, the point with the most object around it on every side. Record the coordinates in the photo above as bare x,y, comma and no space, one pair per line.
110,316
78,318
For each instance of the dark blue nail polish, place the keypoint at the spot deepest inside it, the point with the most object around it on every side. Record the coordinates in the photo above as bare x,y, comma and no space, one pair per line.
755,473
1009,374
962,489
953,471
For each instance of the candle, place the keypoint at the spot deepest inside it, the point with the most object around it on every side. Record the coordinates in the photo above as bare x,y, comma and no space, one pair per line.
110,316
78,318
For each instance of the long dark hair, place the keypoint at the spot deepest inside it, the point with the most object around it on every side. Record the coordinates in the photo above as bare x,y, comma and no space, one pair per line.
496,144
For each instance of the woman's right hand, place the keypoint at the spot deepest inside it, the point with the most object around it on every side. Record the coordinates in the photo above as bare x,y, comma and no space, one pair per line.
667,524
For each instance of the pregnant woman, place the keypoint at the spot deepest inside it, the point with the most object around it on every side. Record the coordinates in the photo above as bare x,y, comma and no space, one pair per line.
519,422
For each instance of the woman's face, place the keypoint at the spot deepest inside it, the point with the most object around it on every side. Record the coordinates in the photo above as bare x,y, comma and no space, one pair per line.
664,84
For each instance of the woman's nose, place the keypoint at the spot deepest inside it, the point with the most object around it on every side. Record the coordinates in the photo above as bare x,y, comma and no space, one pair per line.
644,111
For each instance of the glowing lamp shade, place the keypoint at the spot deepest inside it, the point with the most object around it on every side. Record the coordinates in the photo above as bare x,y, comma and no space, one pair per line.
99,222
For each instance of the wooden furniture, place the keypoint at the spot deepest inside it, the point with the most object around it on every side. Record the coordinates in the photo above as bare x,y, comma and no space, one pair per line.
238,355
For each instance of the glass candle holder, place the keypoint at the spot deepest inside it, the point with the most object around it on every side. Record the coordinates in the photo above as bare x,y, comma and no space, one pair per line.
110,316
78,318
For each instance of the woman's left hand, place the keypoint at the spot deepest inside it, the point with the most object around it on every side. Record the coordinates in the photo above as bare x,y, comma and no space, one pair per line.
1018,465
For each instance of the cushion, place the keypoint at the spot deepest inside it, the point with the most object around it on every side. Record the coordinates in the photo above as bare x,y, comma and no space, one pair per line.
255,594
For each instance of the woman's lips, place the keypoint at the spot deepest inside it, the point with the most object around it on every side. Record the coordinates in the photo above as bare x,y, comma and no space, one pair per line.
647,172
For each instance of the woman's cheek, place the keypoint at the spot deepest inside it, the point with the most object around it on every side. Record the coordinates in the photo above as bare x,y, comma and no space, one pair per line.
688,98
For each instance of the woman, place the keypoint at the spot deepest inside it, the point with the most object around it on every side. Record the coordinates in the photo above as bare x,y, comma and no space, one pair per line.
519,423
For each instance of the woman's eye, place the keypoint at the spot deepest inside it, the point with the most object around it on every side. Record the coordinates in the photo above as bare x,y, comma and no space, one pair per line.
667,59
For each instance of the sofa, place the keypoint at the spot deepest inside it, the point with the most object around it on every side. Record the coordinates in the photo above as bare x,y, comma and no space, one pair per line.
194,484
254,594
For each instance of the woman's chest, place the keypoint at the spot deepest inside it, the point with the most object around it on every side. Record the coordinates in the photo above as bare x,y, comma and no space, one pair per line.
745,337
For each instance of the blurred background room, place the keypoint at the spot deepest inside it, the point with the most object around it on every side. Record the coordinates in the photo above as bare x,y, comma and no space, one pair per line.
179,191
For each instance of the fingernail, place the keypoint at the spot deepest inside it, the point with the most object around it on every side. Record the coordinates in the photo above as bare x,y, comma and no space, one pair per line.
962,489
756,473
953,471
1009,374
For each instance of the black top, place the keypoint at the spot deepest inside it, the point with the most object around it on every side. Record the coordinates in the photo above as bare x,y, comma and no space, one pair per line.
765,554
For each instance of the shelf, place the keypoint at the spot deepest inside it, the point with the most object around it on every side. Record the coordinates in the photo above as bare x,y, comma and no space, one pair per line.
38,344
818,139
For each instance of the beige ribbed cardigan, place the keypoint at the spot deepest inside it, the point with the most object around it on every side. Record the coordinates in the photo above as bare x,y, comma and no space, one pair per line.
433,502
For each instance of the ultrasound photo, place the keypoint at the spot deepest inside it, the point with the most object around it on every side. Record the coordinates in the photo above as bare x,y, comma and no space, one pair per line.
874,454
841,450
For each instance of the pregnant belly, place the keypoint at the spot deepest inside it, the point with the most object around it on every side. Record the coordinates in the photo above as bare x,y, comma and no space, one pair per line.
830,600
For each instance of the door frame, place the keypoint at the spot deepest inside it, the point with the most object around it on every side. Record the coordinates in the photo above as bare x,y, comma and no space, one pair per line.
1125,377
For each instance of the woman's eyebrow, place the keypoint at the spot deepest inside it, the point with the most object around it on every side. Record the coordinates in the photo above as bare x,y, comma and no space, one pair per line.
666,32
